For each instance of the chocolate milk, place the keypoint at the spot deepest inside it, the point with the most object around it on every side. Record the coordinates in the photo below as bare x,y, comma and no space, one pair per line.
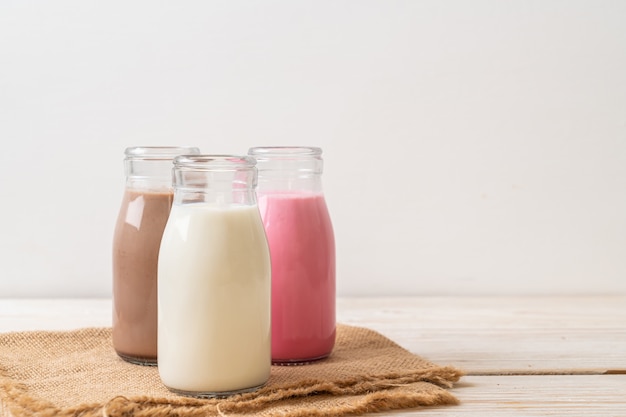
136,243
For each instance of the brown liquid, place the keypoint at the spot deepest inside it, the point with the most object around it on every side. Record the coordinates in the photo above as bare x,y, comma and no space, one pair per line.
136,243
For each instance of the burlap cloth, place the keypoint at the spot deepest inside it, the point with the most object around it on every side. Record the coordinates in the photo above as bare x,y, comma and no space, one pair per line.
77,373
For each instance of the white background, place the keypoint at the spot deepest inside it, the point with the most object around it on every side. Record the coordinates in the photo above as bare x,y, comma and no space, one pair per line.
471,147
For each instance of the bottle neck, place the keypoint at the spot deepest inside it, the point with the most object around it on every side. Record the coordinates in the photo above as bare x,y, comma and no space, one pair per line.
289,169
149,175
150,167
215,180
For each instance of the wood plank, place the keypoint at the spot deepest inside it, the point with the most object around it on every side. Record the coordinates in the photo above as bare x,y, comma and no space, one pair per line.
54,314
502,335
534,395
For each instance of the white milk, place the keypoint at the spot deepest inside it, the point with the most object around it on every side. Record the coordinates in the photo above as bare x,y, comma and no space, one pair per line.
214,330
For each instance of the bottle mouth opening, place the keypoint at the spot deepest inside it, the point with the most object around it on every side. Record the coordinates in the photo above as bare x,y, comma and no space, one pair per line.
214,162
159,153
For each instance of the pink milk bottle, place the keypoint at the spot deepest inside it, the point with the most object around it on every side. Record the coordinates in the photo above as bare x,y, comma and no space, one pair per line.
302,250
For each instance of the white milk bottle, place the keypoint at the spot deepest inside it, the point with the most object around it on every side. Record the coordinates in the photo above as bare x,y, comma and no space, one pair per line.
214,281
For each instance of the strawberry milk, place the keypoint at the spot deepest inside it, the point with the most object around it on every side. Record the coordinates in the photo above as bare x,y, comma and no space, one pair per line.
302,247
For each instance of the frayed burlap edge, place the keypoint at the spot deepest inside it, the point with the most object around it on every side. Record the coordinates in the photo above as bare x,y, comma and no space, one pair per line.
376,394
384,400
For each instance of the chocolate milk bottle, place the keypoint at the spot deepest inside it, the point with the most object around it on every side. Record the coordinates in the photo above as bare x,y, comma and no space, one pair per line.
143,214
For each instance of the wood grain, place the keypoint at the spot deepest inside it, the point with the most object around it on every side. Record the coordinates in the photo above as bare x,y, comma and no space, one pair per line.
508,335
536,395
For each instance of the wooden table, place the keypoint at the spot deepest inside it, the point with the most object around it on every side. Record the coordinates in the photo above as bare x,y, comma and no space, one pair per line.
524,356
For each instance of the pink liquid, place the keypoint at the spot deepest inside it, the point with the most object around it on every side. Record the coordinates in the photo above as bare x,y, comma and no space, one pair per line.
302,249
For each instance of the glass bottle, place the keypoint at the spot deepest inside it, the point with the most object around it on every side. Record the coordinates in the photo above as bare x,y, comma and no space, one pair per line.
144,211
302,246
214,281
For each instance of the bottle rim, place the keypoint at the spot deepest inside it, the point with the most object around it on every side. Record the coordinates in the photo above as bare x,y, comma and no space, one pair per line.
214,162
286,152
159,152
